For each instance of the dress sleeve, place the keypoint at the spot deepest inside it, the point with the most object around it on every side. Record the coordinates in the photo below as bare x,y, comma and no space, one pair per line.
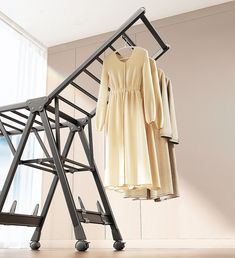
101,107
159,121
148,92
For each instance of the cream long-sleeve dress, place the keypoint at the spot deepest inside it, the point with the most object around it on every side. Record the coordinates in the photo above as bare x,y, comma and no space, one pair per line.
127,163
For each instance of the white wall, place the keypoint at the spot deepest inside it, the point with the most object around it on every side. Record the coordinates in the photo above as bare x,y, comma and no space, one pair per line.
201,66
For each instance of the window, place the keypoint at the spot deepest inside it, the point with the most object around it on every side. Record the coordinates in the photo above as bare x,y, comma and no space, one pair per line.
23,66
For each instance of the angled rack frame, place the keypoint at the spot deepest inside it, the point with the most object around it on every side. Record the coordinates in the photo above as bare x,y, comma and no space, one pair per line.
45,114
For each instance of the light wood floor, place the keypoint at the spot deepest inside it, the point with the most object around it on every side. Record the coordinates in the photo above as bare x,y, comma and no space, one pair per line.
109,253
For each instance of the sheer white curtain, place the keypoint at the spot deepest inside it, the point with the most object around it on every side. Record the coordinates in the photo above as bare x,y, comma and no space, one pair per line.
22,76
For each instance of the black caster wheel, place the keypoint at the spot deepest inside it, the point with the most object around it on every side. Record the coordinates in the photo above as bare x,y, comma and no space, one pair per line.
35,245
82,245
119,245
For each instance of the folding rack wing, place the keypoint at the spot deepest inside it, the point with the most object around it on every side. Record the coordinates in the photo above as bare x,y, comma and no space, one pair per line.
45,114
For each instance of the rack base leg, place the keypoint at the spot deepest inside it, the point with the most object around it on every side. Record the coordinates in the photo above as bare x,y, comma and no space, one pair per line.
78,229
37,233
114,228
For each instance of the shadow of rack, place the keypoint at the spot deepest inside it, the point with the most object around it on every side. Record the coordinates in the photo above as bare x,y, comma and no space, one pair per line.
45,114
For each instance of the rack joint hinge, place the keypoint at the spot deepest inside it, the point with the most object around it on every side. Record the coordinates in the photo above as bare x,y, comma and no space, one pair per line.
74,128
83,121
38,104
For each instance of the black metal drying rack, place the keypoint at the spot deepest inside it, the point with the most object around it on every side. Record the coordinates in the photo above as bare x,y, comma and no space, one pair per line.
45,114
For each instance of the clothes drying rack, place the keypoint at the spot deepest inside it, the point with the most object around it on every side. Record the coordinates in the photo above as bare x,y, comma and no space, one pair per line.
45,114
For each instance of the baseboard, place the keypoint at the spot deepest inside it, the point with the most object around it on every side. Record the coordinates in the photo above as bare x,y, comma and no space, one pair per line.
158,243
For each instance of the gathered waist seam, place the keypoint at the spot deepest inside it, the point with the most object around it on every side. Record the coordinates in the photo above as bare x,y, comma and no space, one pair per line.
123,90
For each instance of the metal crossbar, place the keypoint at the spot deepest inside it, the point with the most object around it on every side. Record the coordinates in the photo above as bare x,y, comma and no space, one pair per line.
45,114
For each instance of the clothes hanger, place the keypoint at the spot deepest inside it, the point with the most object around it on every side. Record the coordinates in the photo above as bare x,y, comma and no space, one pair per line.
124,47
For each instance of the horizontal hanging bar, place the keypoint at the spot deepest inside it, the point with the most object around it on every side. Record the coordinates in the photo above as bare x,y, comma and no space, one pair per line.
71,169
76,163
39,167
15,121
114,49
82,169
26,117
45,166
99,60
53,166
43,161
155,56
63,115
13,127
12,119
37,128
160,52
37,160
65,165
128,39
83,91
153,31
91,75
73,105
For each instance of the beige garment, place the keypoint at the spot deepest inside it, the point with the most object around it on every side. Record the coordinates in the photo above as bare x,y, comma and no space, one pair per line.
167,167
127,163
175,181
171,147
173,124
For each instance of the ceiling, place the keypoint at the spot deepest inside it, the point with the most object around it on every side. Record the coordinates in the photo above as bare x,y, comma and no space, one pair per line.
53,22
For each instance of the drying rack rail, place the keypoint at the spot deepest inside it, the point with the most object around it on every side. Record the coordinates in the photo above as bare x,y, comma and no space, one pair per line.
44,114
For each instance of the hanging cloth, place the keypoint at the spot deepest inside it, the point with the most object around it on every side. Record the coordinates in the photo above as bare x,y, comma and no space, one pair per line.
166,135
131,103
166,138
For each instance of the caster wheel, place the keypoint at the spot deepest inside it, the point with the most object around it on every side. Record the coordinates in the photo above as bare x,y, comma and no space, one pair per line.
82,245
119,245
35,245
